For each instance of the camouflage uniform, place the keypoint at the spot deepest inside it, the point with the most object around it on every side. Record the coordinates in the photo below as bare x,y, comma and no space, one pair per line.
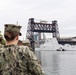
18,60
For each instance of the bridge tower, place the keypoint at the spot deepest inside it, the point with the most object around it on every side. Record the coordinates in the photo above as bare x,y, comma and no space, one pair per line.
55,27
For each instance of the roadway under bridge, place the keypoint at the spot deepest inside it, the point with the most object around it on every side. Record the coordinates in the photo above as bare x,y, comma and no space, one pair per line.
67,41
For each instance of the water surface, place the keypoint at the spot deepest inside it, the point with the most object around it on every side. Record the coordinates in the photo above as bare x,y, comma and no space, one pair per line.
58,62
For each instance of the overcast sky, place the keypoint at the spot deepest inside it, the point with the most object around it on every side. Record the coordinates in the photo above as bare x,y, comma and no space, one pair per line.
64,11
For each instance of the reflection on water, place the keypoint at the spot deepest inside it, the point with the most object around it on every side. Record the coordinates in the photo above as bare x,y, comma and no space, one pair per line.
58,62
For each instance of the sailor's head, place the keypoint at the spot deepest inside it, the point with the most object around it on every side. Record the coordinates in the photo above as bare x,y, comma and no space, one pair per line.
26,42
1,38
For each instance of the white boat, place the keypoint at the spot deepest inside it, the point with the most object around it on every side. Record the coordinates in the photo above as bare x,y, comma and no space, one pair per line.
52,44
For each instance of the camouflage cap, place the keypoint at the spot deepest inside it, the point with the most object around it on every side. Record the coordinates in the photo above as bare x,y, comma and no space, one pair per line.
26,41
13,28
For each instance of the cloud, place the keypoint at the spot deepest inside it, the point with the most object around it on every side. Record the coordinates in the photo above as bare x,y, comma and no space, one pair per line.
63,11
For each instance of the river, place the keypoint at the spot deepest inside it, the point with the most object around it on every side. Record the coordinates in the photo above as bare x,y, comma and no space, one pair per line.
58,62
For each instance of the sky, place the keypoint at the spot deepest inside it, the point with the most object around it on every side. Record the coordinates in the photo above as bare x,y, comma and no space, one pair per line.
64,11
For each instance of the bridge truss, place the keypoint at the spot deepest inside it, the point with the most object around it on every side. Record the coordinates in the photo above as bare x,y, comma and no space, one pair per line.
41,27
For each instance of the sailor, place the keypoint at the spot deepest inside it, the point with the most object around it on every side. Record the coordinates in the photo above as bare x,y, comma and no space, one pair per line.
2,42
1,38
14,59
26,42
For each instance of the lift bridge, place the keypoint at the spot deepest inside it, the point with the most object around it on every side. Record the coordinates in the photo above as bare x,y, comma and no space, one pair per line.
45,27
40,27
